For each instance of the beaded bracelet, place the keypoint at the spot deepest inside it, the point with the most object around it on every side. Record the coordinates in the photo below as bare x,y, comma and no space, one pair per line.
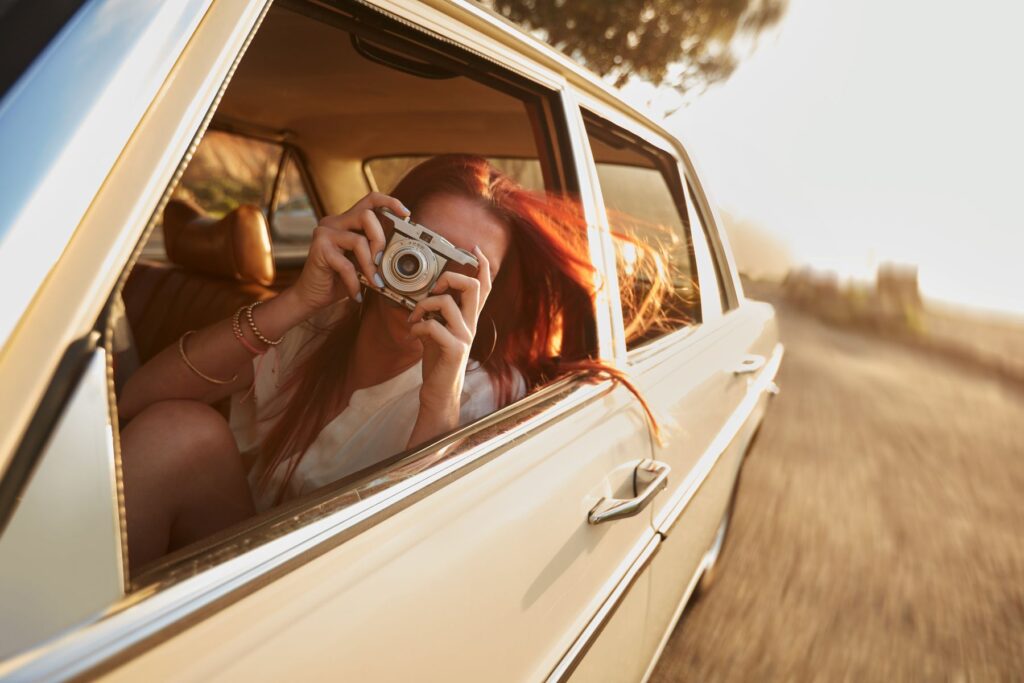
184,357
236,327
255,330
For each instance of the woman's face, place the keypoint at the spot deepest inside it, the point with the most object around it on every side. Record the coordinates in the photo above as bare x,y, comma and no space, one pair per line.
465,223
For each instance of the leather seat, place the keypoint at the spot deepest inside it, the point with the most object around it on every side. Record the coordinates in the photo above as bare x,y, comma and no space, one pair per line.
214,266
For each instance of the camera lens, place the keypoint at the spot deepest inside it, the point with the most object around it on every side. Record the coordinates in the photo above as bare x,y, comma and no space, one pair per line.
407,265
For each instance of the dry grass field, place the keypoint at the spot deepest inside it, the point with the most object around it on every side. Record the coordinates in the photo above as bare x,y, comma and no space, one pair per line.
879,529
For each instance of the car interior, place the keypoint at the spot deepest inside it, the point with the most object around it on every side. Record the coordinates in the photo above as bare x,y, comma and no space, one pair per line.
325,106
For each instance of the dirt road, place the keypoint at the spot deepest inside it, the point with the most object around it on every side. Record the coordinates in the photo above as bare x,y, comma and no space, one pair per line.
879,529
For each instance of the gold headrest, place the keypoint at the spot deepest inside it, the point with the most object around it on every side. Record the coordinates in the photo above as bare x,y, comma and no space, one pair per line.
236,246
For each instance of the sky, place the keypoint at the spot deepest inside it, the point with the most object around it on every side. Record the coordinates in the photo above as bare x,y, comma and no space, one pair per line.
875,131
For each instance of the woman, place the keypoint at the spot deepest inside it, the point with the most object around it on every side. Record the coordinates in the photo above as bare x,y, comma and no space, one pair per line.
327,379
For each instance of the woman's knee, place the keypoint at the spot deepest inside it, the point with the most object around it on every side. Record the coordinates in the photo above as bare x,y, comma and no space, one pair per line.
191,426
172,439
180,464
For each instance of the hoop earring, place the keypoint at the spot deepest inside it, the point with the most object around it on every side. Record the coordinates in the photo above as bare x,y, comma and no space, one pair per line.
494,342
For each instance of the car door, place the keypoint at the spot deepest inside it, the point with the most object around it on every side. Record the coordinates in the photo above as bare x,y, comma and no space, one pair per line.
481,566
696,369
723,374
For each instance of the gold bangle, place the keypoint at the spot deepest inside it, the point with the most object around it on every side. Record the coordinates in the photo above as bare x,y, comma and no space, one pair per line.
255,330
184,357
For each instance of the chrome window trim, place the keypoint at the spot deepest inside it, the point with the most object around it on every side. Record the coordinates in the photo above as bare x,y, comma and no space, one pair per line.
648,548
673,509
158,611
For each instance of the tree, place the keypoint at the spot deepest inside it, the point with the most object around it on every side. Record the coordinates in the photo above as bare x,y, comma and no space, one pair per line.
685,44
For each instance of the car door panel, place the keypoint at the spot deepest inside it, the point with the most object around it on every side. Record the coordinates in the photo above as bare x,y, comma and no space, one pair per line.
718,413
492,577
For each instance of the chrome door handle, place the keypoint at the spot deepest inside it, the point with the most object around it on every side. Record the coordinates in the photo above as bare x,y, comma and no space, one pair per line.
750,363
649,477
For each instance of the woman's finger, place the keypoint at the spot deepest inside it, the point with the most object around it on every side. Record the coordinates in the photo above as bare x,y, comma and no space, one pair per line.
440,335
354,218
379,200
359,246
345,270
374,234
445,305
483,274
469,289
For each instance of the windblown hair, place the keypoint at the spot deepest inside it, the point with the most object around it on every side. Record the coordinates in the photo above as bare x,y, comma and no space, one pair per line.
541,304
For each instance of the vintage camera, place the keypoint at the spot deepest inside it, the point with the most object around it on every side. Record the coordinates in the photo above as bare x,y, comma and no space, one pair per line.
414,258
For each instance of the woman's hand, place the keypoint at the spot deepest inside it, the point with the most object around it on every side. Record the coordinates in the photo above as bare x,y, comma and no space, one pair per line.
447,339
329,274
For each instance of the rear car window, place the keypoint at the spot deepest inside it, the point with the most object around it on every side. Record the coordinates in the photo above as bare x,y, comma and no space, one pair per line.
647,213
229,170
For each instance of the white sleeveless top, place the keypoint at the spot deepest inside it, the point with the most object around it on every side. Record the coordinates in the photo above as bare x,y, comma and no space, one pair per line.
376,424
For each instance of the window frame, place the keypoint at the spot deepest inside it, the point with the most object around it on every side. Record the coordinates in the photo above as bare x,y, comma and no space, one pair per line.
706,283
666,166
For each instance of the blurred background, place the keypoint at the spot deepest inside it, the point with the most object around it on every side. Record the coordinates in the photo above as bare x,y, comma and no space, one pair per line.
866,161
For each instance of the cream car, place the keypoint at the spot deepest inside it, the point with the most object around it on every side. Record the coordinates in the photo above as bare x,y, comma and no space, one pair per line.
553,539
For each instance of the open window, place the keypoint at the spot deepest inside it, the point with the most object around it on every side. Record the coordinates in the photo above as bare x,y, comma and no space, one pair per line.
647,213
329,103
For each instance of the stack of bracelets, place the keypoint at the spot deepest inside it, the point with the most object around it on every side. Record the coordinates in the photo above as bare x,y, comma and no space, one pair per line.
236,326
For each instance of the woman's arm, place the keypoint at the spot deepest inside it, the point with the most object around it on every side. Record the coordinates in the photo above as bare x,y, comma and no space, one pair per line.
433,421
215,352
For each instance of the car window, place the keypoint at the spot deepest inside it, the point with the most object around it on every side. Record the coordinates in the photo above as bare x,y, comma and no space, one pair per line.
230,170
294,217
408,110
650,228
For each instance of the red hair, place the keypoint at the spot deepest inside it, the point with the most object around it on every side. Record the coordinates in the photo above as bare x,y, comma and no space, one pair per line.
538,320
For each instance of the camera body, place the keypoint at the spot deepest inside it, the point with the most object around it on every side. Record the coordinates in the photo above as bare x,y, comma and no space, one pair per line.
414,257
